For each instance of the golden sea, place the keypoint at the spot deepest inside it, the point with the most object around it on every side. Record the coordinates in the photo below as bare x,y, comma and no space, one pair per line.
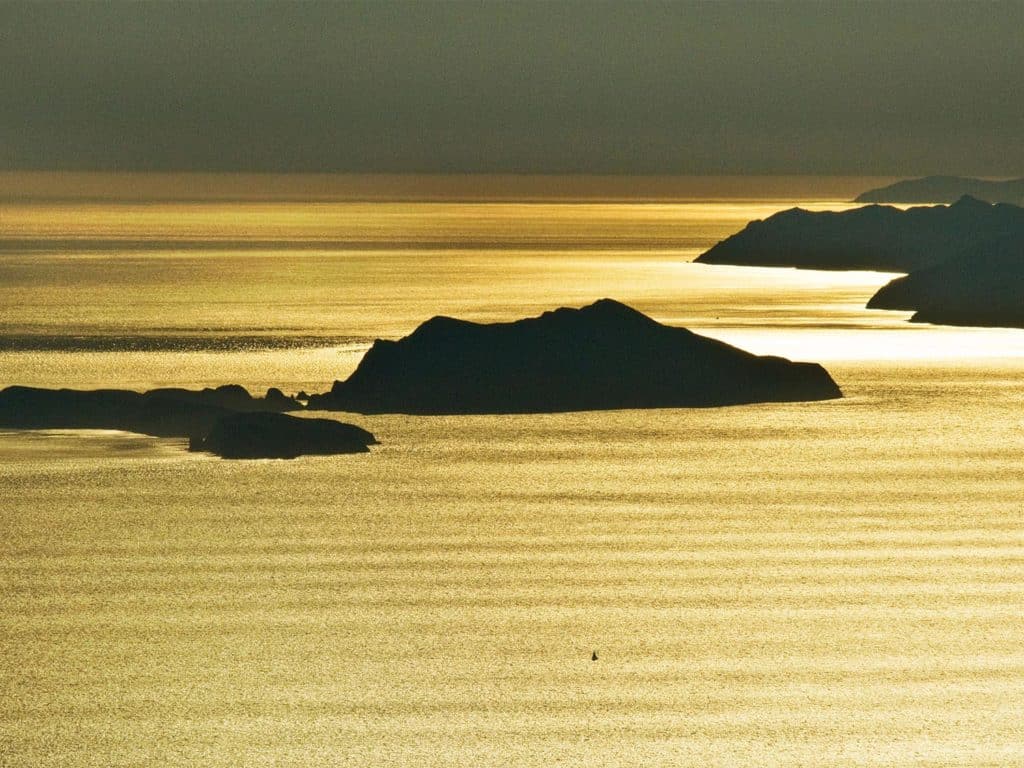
809,584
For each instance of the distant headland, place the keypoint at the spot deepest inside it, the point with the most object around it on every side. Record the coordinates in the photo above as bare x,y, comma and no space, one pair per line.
875,237
966,260
603,356
982,287
946,189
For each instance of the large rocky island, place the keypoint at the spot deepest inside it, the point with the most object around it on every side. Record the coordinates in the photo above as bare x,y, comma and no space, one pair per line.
226,421
874,237
603,356
946,189
980,288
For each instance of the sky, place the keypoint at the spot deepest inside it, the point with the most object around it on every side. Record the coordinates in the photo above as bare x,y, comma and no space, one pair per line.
514,87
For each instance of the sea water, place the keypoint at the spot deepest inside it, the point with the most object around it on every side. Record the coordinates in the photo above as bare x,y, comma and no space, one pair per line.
829,584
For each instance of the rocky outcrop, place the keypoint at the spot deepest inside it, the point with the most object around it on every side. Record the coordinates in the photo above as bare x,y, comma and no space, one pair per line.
603,356
227,420
278,436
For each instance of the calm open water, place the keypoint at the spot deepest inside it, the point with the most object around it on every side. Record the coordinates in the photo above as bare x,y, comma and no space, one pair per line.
826,584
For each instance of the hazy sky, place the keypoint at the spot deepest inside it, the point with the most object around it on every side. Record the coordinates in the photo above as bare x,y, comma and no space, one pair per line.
720,87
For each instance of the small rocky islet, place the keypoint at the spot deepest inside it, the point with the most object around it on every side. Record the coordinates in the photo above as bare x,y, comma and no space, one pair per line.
226,421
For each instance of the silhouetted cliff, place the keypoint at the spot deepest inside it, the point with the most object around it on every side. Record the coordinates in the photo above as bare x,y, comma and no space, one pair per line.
981,288
873,237
946,189
603,356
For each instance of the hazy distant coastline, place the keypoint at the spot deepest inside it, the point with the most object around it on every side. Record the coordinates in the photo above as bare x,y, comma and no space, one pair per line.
946,189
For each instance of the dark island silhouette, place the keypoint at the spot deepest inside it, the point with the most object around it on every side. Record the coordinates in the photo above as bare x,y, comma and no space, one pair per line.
984,287
227,421
874,237
268,435
603,356
946,189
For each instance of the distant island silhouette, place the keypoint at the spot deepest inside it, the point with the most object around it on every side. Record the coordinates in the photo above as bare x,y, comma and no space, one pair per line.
603,356
983,287
226,421
874,237
946,189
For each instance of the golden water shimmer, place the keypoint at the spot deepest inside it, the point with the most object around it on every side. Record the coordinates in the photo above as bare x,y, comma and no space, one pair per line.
836,583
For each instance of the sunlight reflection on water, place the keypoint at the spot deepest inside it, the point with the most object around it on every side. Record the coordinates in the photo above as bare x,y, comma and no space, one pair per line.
500,262
832,584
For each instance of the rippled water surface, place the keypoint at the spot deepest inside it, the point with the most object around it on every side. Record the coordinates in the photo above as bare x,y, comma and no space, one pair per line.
826,584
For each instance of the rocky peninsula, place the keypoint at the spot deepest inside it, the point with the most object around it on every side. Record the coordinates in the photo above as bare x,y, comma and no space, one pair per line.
874,237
